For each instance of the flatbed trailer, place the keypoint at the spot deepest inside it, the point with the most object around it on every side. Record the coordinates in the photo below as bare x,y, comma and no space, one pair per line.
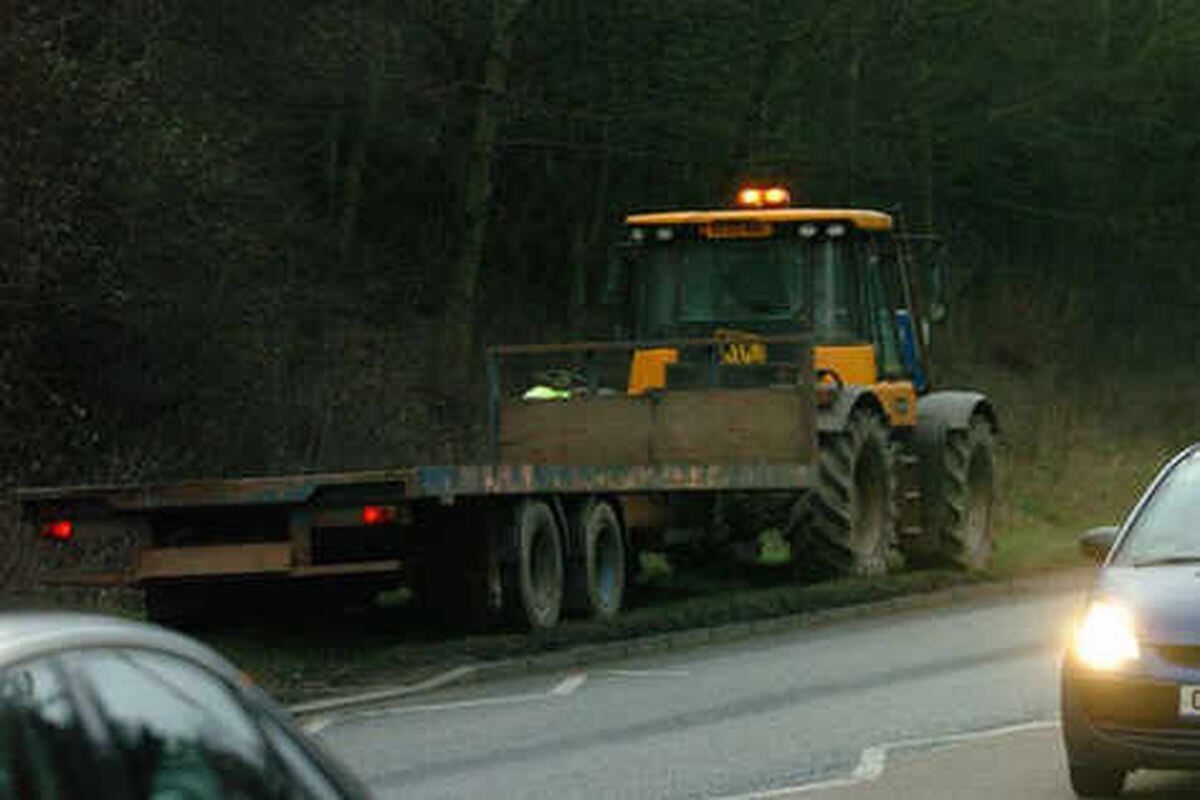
596,450
577,485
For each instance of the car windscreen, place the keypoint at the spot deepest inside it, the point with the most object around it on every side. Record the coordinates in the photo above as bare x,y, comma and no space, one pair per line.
1165,528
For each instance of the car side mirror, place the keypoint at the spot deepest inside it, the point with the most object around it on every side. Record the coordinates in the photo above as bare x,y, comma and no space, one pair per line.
1096,542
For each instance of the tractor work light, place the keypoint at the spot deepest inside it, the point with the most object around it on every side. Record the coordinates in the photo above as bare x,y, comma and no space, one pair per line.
758,197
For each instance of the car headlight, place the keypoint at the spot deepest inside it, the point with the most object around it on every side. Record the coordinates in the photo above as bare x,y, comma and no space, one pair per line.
1106,639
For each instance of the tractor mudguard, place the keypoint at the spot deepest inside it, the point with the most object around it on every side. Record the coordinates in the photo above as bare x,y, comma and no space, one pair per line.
942,442
938,412
836,416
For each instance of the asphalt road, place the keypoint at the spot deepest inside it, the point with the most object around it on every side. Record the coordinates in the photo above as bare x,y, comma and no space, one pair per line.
996,765
804,711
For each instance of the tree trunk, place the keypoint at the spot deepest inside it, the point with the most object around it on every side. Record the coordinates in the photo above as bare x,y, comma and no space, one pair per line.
466,269
368,70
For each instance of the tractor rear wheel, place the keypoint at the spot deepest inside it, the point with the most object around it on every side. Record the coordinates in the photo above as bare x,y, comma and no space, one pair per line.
959,510
846,527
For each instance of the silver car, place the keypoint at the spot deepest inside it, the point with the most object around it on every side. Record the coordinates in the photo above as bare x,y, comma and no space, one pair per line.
92,706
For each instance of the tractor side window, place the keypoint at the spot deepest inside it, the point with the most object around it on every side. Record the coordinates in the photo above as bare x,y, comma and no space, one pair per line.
834,293
881,305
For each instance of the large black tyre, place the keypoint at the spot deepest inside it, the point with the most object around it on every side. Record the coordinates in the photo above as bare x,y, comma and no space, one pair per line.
596,579
845,526
1096,781
533,578
958,500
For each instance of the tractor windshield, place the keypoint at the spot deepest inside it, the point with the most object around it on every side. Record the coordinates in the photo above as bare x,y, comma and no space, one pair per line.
691,287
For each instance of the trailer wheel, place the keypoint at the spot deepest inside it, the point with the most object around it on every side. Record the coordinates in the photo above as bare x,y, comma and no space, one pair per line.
534,584
849,526
596,581
960,507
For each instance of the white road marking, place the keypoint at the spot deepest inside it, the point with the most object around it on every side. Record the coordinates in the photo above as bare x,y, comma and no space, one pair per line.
314,727
568,686
872,762
381,695
647,673
564,688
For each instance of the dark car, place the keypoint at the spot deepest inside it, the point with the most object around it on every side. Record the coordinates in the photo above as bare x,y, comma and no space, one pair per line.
92,706
1131,678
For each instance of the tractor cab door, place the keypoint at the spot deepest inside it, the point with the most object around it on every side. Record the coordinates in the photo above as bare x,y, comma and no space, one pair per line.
857,301
862,321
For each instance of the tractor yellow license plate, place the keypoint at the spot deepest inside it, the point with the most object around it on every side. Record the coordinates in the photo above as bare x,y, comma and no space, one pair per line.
744,353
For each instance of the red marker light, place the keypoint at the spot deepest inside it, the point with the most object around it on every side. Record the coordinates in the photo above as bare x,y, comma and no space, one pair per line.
60,529
378,515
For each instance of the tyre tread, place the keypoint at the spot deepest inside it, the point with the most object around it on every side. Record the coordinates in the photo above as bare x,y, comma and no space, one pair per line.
826,539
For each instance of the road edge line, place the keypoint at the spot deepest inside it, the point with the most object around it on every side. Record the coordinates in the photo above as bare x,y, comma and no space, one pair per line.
873,760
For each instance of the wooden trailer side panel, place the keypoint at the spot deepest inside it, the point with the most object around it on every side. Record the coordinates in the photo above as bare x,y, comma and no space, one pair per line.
709,426
733,426
592,431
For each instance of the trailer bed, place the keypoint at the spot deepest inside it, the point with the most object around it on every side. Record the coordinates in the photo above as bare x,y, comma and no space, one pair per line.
445,483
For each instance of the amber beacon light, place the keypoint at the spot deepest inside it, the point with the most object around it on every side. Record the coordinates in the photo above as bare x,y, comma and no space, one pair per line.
762,197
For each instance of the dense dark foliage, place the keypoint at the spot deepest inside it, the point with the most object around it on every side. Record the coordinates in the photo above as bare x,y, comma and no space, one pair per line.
270,236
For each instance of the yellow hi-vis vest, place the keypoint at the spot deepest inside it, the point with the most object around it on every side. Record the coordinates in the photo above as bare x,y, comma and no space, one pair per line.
546,393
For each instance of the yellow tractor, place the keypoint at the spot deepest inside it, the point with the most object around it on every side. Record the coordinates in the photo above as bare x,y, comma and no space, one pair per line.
903,470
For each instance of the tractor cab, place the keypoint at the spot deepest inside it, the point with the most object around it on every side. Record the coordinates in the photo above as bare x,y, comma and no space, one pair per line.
766,269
